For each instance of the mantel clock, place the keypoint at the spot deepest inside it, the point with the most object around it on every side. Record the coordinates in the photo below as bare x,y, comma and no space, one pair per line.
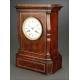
37,28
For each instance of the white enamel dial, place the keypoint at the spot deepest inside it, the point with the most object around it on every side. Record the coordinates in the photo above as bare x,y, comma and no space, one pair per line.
32,28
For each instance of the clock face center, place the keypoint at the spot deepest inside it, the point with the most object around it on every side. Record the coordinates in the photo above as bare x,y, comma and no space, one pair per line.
32,28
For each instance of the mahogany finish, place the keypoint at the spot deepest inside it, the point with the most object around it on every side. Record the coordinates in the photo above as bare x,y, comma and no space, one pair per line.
42,54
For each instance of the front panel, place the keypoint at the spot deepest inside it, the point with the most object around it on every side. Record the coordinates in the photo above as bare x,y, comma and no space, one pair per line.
38,45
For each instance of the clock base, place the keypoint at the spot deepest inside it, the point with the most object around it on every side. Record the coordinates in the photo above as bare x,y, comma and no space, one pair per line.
46,66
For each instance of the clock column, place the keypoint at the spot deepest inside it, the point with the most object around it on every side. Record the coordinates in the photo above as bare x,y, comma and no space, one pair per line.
52,39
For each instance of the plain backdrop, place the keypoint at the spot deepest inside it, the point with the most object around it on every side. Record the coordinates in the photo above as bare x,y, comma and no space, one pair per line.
63,33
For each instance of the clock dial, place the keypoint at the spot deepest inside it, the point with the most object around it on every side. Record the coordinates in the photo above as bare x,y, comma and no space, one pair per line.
32,28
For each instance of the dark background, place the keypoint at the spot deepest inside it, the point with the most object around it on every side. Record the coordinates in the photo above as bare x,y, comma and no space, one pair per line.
22,74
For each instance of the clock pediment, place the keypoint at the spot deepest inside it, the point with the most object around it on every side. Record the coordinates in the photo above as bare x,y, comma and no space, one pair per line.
39,7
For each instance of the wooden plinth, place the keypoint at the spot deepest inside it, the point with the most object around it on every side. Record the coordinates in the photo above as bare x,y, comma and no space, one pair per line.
43,65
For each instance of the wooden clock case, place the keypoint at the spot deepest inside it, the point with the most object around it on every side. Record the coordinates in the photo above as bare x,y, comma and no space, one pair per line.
42,54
